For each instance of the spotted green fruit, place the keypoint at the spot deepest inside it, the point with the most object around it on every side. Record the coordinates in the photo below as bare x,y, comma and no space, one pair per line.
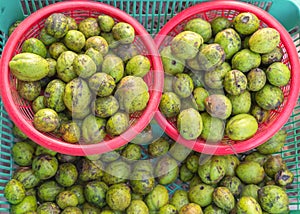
246,23
46,120
137,206
274,144
142,181
183,85
117,123
27,205
56,49
48,191
235,82
29,67
95,192
278,74
98,43
271,57
213,128
105,106
201,27
185,174
223,198
106,23
102,84
248,205
250,172
189,124
269,97
118,197
179,199
218,105
66,174
232,163
34,45
56,25
191,208
264,40
185,45
27,177
74,40
71,210
260,114
78,190
273,199
213,209
70,132
214,78
158,147
230,41
48,207
245,60
210,57
64,66
116,172
241,127
167,209
22,153
93,129
257,157
273,164
53,95
233,183
166,170
96,56
172,65
87,208
89,27
201,194
240,103
170,104
29,90
256,79
250,190
84,66
113,65
138,65
44,166
132,152
123,33
219,23
284,177
14,191
66,199
157,198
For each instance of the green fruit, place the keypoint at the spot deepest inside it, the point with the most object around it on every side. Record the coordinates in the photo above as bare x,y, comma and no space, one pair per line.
158,147
273,199
64,66
44,166
257,157
179,199
188,102
123,33
250,190
84,66
273,164
278,74
250,172
66,199
264,40
22,153
33,45
201,27
212,209
110,156
29,90
241,127
78,190
98,43
248,205
166,170
192,163
132,152
70,132
190,208
48,207
116,172
14,191
201,194
219,23
89,170
29,67
273,56
183,85
241,103
118,197
189,124
53,95
260,114
138,66
142,181
157,198
218,105
246,23
232,163
89,27
90,209
185,174
105,106
167,209
106,23
48,191
274,144
235,82
96,56
52,67
170,104
245,60
127,51
26,176
185,45
72,25
172,65
200,94
233,183
223,198
56,49
117,123
66,174
113,66
74,40
210,57
198,79
284,177
56,25
214,78
230,41
137,206
46,120
256,79
213,128
269,97
27,205
179,152
13,27
95,192
102,84
71,210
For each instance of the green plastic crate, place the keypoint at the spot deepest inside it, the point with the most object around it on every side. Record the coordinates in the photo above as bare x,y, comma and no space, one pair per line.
153,14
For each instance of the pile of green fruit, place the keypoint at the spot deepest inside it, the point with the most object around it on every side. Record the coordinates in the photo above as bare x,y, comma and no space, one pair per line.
222,77
82,80
140,179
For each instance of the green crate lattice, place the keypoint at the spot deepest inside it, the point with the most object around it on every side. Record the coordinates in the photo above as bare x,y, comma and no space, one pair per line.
153,14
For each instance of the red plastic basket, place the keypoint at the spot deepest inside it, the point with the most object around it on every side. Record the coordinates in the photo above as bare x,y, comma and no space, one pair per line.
20,110
277,118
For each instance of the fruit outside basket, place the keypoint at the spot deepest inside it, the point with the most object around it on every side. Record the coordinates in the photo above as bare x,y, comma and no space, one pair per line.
277,118
153,15
20,110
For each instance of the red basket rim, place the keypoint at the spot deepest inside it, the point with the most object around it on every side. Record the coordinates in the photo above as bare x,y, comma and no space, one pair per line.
78,149
241,146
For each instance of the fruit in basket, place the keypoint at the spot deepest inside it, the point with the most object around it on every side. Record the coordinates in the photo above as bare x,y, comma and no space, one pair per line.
118,197
66,199
232,163
93,129
233,183
249,205
106,23
274,144
256,79
96,56
138,65
241,127
52,67
273,199
223,198
131,152
64,66
218,105
48,207
132,94
53,95
183,85
200,94
240,103
201,194
29,90
137,206
219,23
29,67
246,23
264,40
271,57
278,74
72,25
89,27
74,40
245,60
105,106
189,123
56,25
200,26
46,38
44,166
78,190
123,32
70,131
94,193
235,82
126,51
185,45
113,65
84,66
214,78
230,41
257,172
98,43
48,191
170,104
34,45
172,65
23,153
102,84
26,176
213,128
190,208
46,120
112,43
157,198
210,57
117,123
260,114
269,97
14,191
27,205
